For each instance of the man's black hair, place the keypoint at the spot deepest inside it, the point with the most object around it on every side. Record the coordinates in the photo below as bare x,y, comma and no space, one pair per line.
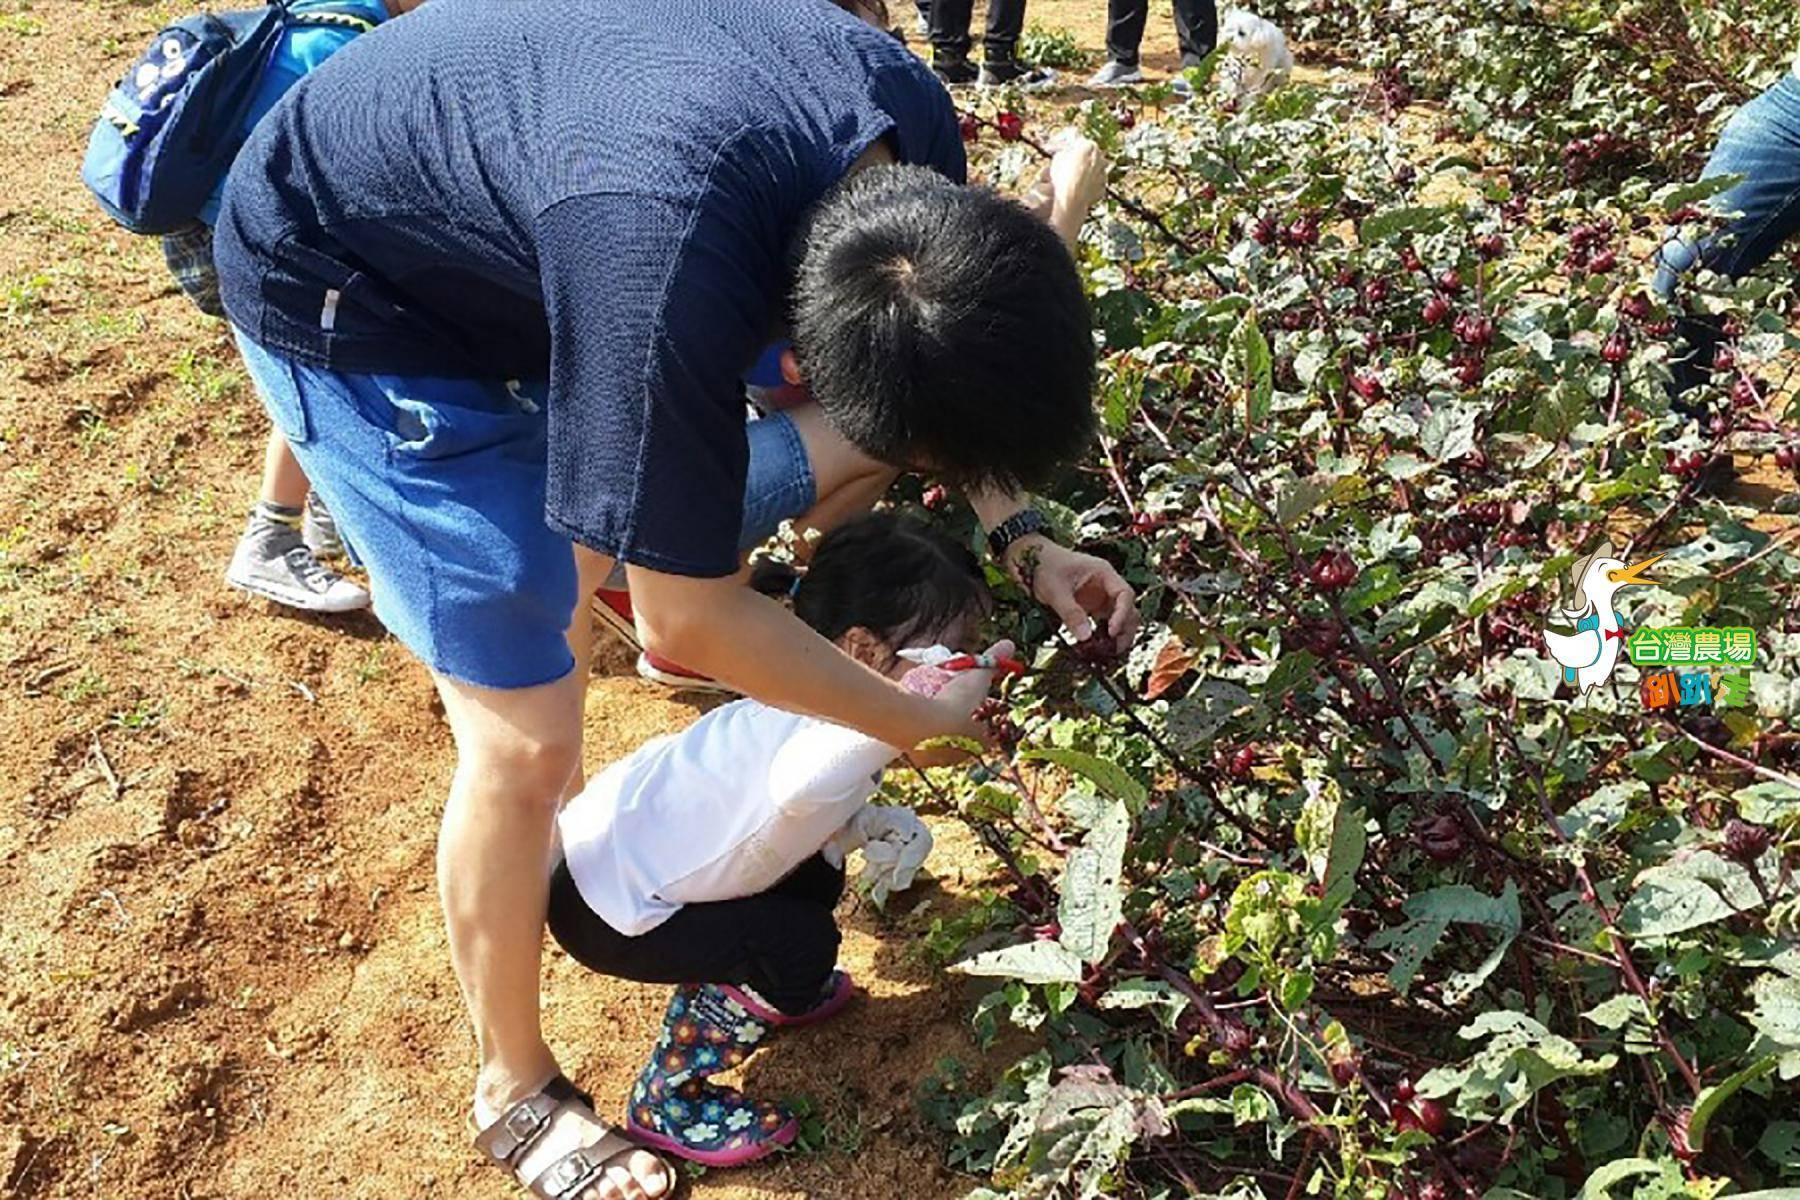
944,327
889,574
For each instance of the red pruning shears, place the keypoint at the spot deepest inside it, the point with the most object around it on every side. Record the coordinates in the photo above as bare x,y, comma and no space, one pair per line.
946,659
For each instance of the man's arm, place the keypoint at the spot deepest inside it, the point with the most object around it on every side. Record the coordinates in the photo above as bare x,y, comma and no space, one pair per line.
723,629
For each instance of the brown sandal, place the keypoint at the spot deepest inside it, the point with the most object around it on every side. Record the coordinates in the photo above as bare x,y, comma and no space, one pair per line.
508,1140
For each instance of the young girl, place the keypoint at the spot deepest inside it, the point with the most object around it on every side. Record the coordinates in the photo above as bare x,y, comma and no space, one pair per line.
713,858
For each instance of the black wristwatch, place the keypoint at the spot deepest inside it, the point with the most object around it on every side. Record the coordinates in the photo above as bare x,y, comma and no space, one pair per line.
1020,524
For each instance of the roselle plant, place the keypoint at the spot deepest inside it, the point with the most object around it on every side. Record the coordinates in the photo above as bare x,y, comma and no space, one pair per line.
1332,888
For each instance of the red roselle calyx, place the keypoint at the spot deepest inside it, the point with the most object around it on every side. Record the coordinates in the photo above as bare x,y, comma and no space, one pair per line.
1745,843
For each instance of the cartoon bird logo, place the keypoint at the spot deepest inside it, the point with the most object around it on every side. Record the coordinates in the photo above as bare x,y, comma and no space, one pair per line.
1588,641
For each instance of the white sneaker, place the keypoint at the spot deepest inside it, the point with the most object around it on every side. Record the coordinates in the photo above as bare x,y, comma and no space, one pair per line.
272,561
319,529
1116,74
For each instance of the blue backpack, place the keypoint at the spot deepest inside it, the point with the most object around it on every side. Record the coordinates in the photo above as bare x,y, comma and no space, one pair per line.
169,131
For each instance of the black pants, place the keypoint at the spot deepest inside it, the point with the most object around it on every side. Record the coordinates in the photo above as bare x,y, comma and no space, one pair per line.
950,28
1196,26
782,942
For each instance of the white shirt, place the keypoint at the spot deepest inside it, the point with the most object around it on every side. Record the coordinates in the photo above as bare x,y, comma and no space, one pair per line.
724,809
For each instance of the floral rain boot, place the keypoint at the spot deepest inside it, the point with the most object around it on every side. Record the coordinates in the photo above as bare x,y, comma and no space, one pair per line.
674,1106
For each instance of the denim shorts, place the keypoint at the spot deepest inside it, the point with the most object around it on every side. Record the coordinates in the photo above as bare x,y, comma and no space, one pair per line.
1761,142
438,487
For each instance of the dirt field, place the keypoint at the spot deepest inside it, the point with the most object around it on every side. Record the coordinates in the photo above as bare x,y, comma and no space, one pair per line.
222,971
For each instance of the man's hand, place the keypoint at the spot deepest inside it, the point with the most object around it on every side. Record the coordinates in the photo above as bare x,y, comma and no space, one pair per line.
1085,592
1070,185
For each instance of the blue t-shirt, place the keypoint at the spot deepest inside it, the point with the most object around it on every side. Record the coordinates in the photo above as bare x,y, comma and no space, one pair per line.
603,192
296,54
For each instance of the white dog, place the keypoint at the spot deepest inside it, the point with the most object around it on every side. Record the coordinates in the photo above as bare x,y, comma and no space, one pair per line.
1259,60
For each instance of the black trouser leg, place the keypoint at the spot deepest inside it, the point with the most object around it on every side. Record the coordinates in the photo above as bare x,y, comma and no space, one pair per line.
1005,22
1125,29
782,942
1197,28
950,28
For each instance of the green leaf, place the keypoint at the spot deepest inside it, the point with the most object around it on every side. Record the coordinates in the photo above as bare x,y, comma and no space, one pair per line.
954,742
1030,962
1602,811
1768,803
1694,891
1432,914
1520,1059
1331,836
1109,777
1092,899
1302,496
1154,994
1449,432
1087,1126
1598,1184
1618,1011
1258,367
1710,1100
1293,669
1250,1105
1382,226
1777,1014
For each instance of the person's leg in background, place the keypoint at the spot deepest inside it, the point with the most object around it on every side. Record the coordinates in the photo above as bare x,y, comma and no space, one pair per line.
1761,143
1124,34
1197,29
950,41
1000,63
272,558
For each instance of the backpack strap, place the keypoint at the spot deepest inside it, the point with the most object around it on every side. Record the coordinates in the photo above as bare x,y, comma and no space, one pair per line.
348,21
341,17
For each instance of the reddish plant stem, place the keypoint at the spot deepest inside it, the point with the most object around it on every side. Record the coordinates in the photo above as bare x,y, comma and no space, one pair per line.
1128,705
1736,760
1591,895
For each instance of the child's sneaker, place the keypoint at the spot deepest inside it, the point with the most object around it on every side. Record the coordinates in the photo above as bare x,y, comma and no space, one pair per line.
272,561
319,529
674,1107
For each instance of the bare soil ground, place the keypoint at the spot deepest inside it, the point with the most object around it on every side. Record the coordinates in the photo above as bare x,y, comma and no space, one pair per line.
222,971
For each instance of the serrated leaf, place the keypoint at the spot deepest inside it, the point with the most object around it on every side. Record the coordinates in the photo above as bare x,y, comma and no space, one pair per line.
1092,898
1432,914
1108,776
1029,962
1519,1059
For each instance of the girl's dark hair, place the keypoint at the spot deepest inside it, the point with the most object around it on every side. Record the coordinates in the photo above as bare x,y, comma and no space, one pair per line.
889,574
